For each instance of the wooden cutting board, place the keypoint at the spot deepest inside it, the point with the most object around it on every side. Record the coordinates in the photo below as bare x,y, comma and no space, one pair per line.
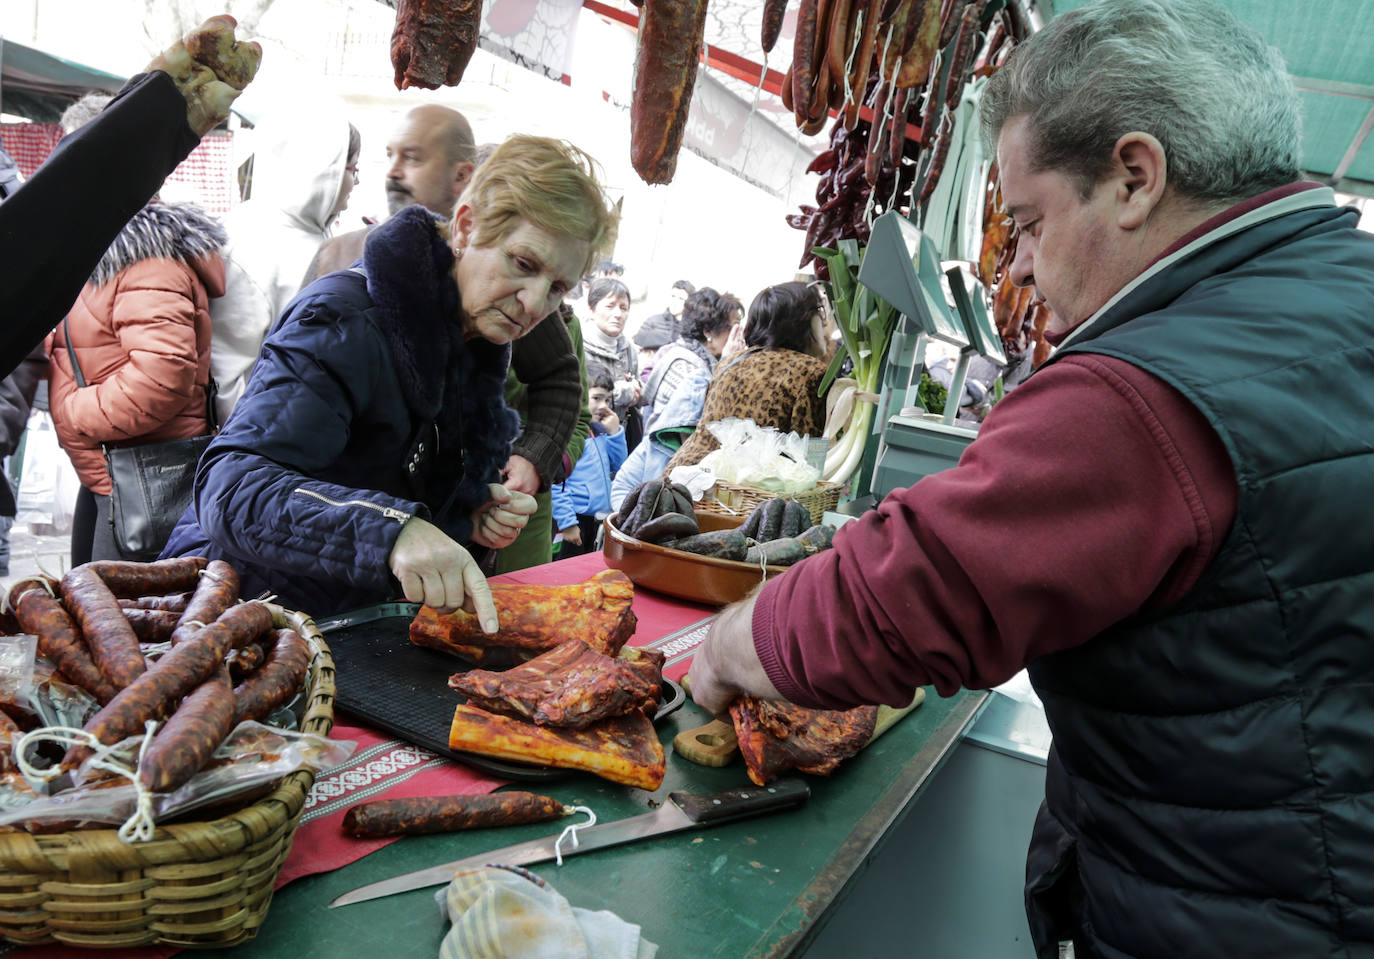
715,743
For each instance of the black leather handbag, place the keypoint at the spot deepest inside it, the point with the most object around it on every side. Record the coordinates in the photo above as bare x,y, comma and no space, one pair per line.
151,485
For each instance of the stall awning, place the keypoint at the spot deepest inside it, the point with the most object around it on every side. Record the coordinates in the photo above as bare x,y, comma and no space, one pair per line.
39,86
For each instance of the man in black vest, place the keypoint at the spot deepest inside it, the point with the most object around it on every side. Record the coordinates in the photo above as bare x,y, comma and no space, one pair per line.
1161,523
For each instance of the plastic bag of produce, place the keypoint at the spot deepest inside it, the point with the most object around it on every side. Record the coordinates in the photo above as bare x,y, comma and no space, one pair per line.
760,456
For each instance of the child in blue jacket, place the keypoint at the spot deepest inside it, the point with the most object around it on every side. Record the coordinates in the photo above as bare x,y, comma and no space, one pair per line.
583,500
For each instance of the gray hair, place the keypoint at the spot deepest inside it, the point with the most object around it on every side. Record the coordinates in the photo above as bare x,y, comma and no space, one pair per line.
1215,95
83,111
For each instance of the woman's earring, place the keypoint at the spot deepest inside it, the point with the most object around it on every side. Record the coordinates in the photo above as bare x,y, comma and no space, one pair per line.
458,253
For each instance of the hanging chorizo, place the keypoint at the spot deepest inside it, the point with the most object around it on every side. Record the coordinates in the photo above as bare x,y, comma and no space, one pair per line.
671,33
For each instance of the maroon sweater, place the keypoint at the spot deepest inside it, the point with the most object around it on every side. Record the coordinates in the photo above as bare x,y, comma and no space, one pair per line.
964,578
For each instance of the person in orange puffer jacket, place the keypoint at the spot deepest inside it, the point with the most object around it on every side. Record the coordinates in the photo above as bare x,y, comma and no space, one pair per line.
141,333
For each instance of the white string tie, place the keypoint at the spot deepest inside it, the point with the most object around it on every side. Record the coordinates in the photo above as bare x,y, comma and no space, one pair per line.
571,833
138,827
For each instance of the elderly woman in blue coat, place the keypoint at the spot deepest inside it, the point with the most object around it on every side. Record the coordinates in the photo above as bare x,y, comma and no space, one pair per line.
364,457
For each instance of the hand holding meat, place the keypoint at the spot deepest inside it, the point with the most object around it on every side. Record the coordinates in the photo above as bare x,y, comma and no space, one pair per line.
497,522
726,665
434,570
210,68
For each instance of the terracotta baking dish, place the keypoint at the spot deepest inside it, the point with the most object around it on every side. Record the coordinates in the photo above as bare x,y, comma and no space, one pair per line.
701,579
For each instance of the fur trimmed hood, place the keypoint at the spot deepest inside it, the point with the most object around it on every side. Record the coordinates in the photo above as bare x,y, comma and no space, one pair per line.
170,231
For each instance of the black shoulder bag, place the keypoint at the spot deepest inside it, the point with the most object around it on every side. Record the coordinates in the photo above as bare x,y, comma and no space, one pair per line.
150,485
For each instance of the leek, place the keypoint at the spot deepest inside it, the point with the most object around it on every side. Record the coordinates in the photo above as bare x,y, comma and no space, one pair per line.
866,324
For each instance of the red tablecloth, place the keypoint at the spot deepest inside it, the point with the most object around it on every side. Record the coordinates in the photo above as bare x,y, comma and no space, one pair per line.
382,765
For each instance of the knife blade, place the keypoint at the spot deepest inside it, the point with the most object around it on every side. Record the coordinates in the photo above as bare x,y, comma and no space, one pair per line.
683,810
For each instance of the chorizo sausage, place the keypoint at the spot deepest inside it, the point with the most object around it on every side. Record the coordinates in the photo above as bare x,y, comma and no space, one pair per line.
273,685
151,625
217,590
157,578
670,36
243,662
172,602
186,666
863,63
113,644
191,735
773,12
41,614
430,814
433,41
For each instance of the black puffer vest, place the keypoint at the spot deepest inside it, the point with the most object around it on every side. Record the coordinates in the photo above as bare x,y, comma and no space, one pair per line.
1210,790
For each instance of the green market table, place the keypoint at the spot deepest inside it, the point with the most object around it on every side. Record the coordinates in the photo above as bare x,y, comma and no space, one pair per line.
760,887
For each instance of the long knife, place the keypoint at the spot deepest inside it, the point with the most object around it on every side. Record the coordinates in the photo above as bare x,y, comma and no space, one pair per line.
683,810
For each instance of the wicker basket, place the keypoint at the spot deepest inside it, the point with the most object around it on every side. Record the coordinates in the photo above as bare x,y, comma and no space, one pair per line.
192,884
727,499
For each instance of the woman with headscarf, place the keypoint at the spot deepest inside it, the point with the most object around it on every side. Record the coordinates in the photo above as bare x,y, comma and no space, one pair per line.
364,457
774,382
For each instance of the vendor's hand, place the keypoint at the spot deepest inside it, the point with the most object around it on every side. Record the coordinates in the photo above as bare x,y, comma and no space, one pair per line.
572,535
725,665
210,68
607,418
499,520
435,570
520,475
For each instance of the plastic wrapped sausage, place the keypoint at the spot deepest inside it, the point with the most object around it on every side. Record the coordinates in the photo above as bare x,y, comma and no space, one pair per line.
429,814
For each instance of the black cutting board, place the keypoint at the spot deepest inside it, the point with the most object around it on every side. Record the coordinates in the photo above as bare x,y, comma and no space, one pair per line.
384,679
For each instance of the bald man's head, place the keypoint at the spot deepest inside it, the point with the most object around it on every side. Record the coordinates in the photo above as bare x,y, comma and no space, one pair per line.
431,159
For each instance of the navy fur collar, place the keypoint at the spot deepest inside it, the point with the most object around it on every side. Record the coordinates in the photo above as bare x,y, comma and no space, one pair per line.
458,384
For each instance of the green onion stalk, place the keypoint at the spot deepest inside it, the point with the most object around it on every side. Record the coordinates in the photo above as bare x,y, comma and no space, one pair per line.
866,324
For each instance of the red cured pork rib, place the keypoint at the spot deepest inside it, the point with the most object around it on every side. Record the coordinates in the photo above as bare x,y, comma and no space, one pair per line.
536,618
570,685
775,736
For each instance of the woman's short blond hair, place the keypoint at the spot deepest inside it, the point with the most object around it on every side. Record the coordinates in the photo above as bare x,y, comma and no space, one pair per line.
549,182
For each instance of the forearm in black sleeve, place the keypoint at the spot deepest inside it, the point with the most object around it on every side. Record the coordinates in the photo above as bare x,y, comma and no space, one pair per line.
55,228
544,361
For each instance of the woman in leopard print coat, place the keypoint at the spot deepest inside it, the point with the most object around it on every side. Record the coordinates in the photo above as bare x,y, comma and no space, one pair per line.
775,381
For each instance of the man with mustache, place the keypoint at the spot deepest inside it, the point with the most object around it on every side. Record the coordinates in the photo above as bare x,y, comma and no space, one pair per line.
432,155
